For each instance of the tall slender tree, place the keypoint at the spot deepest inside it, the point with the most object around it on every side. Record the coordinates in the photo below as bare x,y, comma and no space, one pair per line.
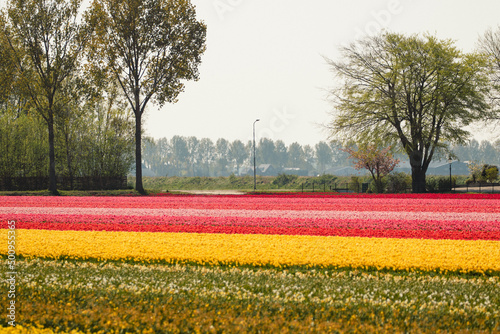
151,47
194,153
238,153
222,155
8,68
281,153
180,153
266,151
489,43
296,156
207,148
323,155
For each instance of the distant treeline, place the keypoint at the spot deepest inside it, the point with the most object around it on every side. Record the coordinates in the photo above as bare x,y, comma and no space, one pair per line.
191,156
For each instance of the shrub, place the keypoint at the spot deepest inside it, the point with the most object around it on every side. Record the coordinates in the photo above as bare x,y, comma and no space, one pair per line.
398,182
326,178
355,184
489,173
439,183
482,173
283,179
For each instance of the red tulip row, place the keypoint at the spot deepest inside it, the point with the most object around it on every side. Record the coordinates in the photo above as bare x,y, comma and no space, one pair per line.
262,225
228,220
309,215
345,232
351,195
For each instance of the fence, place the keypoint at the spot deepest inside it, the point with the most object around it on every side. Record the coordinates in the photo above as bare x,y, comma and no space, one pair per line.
356,187
343,187
478,187
63,183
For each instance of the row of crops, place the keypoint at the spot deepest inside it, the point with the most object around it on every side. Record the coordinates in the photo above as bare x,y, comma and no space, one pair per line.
268,263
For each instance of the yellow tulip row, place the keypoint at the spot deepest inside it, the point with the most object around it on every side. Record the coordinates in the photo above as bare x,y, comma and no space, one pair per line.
35,330
261,250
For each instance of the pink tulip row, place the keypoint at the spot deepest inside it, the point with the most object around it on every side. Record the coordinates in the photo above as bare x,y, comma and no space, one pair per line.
231,229
309,215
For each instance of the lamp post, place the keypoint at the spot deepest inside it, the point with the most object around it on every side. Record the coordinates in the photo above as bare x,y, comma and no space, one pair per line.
254,169
450,161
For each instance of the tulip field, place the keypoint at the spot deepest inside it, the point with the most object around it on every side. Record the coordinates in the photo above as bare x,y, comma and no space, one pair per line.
291,262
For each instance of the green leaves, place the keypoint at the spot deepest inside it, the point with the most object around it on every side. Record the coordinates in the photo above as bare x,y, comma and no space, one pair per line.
47,41
150,46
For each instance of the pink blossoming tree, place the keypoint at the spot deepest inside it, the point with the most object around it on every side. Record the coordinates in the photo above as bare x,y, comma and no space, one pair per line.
379,162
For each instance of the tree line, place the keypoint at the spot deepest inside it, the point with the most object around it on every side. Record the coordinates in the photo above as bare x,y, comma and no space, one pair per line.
192,156
75,83
93,140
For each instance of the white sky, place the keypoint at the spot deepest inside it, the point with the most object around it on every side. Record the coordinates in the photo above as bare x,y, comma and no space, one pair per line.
264,60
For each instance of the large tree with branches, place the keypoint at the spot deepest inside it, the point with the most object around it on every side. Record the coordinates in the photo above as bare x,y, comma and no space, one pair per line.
150,47
416,91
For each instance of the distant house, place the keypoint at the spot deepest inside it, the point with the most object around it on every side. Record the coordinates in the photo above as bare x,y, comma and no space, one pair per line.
266,170
437,168
245,170
345,171
442,168
295,171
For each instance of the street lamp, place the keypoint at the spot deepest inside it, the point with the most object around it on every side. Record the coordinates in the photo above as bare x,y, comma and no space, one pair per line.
254,169
450,161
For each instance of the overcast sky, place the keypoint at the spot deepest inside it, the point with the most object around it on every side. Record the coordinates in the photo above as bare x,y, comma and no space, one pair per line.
264,59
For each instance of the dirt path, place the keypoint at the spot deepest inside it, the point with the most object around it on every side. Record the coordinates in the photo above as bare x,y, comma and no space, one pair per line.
211,192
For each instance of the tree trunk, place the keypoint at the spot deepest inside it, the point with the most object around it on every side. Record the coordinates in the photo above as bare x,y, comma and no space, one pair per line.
52,157
418,170
138,155
417,180
68,160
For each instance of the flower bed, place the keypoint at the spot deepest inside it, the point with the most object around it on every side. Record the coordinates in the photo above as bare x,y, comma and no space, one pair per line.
424,232
268,263
117,297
